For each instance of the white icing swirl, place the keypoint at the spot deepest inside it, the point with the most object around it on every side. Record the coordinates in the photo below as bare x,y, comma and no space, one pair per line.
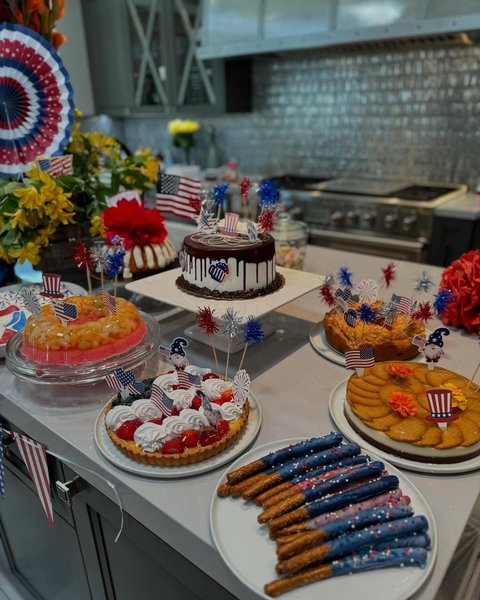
182,398
230,411
118,415
193,370
193,419
214,388
145,410
167,381
174,425
150,436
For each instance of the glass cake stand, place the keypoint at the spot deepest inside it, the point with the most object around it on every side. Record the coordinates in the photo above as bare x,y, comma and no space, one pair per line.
85,373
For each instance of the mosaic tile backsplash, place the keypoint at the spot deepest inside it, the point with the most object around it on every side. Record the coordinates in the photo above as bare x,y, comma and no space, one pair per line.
403,113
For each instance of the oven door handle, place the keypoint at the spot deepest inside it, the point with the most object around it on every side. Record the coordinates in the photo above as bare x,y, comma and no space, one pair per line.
371,240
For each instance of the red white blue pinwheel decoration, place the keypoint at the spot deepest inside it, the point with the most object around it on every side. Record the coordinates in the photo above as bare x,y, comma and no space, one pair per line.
36,106
241,387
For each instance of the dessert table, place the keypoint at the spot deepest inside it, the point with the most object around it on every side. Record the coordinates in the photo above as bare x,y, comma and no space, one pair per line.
292,383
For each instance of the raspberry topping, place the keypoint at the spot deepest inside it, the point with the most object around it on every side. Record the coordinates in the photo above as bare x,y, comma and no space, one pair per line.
157,420
209,436
173,446
196,403
223,427
227,395
210,376
127,429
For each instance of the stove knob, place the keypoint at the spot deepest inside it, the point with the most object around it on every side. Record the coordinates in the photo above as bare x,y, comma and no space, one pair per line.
351,217
390,220
409,222
369,218
336,218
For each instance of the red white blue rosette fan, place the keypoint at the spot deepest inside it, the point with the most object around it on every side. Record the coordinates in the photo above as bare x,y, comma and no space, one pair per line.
36,106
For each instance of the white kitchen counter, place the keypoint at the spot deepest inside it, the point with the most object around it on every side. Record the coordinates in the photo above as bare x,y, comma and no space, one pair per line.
465,207
292,383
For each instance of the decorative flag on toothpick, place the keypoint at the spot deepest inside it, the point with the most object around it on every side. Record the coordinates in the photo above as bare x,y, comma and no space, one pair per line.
124,382
367,290
419,341
31,302
164,353
252,232
35,457
231,221
51,285
359,359
183,380
404,304
57,165
206,221
179,196
110,302
65,311
350,317
163,402
440,404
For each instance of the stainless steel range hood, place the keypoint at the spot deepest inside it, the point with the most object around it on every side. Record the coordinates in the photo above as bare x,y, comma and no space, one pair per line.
247,27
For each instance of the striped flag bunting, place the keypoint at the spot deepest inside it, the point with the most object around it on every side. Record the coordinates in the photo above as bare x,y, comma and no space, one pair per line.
163,402
179,196
35,457
57,165
350,317
51,285
122,381
110,302
31,302
359,359
403,303
64,310
2,470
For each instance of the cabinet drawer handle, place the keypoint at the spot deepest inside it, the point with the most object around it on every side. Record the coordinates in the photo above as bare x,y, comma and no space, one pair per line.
66,490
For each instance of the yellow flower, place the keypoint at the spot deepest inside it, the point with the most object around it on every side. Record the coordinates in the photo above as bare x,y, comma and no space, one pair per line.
182,126
4,255
29,198
29,252
19,219
96,226
150,169
458,397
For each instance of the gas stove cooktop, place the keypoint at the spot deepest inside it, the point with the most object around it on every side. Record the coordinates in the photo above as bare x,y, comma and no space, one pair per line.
385,189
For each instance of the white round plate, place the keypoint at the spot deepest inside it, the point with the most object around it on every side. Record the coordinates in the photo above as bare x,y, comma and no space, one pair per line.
116,457
9,295
319,342
335,406
248,551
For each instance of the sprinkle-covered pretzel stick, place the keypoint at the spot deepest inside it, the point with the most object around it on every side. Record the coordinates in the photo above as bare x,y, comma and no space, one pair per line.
318,507
301,465
321,473
319,490
365,561
353,542
331,530
387,499
417,540
304,448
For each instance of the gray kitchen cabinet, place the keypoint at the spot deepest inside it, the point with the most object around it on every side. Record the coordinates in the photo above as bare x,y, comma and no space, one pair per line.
78,558
143,58
450,238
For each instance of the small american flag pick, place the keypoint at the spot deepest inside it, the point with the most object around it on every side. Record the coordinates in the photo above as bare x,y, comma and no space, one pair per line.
350,317
179,196
64,310
2,471
403,303
183,380
164,353
124,382
35,457
419,341
57,165
163,402
359,359
31,302
110,302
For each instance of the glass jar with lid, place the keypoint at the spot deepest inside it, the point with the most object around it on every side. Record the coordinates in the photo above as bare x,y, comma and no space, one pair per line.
290,242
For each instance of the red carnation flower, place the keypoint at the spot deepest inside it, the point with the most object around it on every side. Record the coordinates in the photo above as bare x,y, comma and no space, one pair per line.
135,224
462,278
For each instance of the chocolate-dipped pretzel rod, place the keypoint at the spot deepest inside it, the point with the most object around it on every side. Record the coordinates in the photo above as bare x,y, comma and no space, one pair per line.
322,488
353,542
302,449
318,507
301,465
389,499
364,561
323,472
333,529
